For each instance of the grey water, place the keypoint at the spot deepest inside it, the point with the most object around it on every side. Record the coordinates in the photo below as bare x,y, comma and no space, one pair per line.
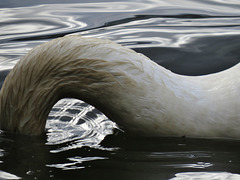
187,37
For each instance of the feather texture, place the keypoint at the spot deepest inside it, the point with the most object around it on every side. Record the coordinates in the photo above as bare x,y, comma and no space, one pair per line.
139,95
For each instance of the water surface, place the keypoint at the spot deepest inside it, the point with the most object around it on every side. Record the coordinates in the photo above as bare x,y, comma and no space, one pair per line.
188,37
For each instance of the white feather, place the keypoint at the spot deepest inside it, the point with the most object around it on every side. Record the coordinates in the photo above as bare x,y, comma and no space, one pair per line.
139,95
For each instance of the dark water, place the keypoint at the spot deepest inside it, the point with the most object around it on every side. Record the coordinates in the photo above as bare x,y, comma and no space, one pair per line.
188,37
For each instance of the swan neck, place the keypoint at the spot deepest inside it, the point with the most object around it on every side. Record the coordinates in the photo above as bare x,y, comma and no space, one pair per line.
62,68
24,108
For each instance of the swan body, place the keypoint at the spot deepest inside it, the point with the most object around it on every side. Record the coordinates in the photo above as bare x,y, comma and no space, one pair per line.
139,95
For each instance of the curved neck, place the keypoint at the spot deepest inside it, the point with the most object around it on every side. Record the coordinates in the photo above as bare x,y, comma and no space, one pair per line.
127,87
58,69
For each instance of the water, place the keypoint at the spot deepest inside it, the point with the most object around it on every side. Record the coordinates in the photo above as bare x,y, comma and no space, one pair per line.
188,37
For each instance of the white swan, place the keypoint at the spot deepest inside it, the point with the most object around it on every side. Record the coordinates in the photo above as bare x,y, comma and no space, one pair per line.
139,95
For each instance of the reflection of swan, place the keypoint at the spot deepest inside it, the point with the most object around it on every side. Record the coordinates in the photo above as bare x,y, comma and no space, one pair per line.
139,95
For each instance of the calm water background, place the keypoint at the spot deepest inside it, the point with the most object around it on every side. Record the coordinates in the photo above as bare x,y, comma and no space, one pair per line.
188,37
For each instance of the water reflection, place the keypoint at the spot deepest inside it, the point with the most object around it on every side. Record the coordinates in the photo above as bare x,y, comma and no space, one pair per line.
205,175
75,163
5,175
187,37
59,19
73,124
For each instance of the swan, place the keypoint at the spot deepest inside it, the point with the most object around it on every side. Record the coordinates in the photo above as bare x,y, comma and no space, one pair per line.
130,89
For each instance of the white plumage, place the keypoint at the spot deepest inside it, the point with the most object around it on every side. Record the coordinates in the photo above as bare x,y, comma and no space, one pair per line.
139,95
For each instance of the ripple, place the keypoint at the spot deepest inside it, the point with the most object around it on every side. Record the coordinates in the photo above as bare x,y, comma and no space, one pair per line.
75,163
54,20
73,123
6,175
60,18
166,31
205,175
181,35
197,165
